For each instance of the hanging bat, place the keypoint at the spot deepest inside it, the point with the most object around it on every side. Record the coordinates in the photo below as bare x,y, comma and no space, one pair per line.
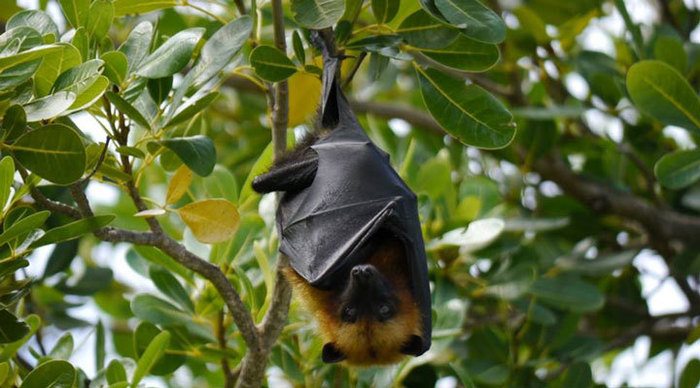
350,228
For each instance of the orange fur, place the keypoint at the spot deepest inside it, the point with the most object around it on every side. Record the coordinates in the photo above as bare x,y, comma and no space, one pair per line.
366,342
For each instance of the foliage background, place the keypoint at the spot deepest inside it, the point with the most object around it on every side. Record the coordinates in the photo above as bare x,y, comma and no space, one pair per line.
558,251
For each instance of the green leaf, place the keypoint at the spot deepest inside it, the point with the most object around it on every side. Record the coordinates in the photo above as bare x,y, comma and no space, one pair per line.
93,280
14,123
35,19
690,378
50,106
54,152
298,47
61,258
115,372
79,78
260,166
465,54
130,7
679,169
568,293
125,107
14,79
81,41
159,88
7,173
90,94
658,90
218,51
52,373
76,11
24,225
271,64
53,65
63,348
143,335
116,66
466,112
11,328
423,31
172,56
317,14
221,184
193,106
73,230
170,286
137,44
197,152
577,375
100,18
670,50
159,312
385,10
148,359
474,19
7,62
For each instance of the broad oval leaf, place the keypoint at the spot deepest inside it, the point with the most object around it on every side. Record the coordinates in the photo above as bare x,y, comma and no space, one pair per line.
116,66
28,55
11,328
466,112
179,184
75,11
317,14
679,169
50,106
465,54
271,64
218,51
73,230
137,44
568,293
115,372
7,173
423,31
79,78
14,123
52,373
171,287
385,10
477,235
172,56
212,220
23,226
150,356
131,7
197,152
54,65
54,152
474,19
660,91
35,19
89,95
100,18
143,335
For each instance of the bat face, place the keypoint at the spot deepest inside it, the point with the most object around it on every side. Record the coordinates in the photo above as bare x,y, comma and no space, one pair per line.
371,318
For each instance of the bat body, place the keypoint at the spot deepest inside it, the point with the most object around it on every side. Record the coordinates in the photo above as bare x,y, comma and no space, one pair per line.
350,227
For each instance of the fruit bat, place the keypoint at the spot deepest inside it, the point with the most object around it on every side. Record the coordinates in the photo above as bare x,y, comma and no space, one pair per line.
350,228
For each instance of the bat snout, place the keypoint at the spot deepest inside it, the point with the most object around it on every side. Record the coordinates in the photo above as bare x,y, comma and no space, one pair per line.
363,273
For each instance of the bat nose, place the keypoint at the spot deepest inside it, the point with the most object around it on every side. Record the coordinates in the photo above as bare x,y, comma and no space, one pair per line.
361,272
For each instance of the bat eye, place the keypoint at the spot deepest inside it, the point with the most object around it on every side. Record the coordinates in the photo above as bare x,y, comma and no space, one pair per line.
385,312
349,314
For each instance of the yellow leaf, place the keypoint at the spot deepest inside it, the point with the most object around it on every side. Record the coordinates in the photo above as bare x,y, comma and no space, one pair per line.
178,185
304,96
211,220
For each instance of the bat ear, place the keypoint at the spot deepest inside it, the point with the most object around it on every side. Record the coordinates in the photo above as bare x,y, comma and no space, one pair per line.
331,354
413,347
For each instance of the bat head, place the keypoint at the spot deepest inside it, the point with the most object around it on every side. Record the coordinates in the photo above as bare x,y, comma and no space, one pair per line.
377,321
370,317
